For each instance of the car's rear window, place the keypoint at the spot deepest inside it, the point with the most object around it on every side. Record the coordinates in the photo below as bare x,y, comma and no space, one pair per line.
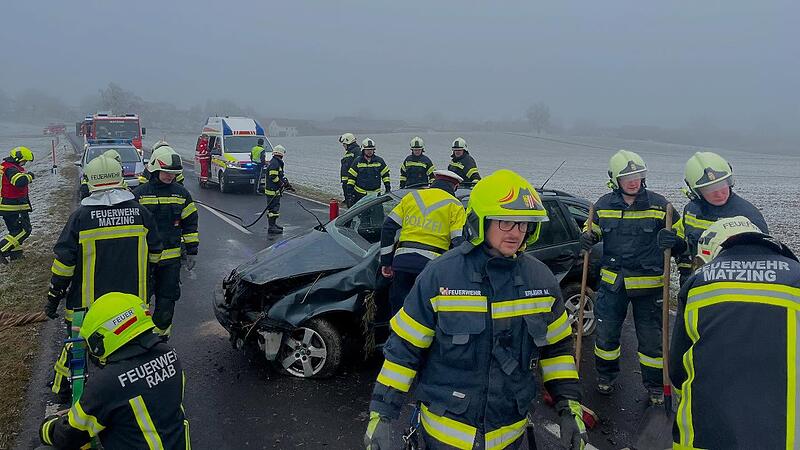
126,154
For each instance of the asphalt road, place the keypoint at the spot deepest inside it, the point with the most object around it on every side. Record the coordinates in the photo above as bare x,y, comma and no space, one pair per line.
235,400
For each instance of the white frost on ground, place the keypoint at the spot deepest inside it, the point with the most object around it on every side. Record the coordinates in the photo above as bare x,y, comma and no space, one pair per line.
771,182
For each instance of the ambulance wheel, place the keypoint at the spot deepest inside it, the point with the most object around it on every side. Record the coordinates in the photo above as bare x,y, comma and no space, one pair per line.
572,297
223,187
313,350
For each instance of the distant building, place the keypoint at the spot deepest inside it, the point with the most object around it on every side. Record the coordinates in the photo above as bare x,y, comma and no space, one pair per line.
282,129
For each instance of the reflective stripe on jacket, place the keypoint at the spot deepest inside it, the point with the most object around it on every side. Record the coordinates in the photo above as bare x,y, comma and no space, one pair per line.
366,176
465,167
175,214
275,176
14,187
734,356
347,160
416,171
474,332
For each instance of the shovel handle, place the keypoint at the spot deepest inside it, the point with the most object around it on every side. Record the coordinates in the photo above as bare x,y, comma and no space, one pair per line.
665,309
582,301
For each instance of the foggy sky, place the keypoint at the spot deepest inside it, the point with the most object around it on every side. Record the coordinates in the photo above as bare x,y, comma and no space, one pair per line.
617,62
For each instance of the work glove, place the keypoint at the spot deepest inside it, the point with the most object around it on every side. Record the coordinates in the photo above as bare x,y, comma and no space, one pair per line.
189,261
668,239
288,186
573,430
379,434
54,297
588,239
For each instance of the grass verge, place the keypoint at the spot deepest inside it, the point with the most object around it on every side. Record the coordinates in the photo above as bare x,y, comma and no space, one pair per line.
23,289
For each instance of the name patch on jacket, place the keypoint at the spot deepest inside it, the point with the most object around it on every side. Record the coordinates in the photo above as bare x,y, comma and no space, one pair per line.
743,270
152,372
113,217
454,292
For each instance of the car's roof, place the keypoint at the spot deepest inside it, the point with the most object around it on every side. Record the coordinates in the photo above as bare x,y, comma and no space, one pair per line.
109,146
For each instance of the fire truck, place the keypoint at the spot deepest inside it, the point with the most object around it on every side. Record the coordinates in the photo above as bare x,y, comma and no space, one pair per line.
104,126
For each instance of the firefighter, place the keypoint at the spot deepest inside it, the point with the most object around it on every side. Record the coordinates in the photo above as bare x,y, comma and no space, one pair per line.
734,352
176,219
109,244
275,185
134,396
475,329
14,202
257,156
628,220
425,224
204,158
348,141
417,169
462,163
709,182
367,172
145,176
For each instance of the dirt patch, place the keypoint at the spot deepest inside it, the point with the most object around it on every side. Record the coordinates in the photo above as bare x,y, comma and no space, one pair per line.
23,289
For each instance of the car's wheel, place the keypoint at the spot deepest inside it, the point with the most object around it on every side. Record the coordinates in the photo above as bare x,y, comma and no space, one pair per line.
313,350
222,186
572,297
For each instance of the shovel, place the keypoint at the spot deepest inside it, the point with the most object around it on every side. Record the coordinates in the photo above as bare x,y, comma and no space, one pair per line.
655,430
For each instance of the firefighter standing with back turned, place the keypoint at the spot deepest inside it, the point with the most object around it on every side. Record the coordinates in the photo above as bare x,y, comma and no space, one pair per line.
109,244
425,224
476,328
134,396
351,149
417,169
734,357
176,219
628,220
276,183
14,202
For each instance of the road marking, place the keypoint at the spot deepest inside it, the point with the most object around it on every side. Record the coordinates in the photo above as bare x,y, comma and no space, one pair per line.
306,199
229,221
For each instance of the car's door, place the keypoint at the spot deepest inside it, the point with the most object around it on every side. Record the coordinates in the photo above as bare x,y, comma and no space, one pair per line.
558,245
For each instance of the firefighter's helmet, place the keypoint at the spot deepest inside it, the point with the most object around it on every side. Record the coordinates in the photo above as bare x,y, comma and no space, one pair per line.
459,144
103,173
417,143
21,154
367,144
712,240
166,159
625,163
704,169
278,150
347,138
114,320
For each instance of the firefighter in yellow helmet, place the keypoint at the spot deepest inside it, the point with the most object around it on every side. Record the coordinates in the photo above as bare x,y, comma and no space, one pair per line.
134,396
479,323
14,202
734,352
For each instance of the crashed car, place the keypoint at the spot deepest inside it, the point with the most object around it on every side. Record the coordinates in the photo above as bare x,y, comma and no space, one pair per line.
301,301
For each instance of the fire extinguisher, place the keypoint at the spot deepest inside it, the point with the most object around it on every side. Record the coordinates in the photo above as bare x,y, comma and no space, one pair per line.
333,209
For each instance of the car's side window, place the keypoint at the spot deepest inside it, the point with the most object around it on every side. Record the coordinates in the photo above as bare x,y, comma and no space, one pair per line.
556,230
367,223
579,213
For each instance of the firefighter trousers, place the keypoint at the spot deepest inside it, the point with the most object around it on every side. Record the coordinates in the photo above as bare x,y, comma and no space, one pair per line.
19,228
167,291
273,206
610,310
402,282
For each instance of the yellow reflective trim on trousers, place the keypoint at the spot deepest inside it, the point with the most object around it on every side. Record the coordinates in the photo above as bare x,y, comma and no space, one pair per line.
78,419
22,207
644,282
170,253
412,331
692,221
608,355
62,269
521,307
684,417
649,361
187,435
644,214
460,303
792,398
446,430
364,191
191,237
608,276
396,376
146,423
46,431
188,210
559,330
609,213
12,240
558,368
504,436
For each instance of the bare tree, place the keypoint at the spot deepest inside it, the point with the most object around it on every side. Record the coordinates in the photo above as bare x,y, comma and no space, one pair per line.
538,116
118,100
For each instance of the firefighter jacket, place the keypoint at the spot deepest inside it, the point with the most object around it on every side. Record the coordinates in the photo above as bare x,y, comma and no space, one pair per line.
135,402
14,181
105,248
474,332
175,215
424,224
734,357
275,177
365,175
631,259
416,171
347,160
465,167
698,215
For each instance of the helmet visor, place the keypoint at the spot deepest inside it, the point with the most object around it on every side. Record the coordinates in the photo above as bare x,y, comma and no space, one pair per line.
716,187
633,176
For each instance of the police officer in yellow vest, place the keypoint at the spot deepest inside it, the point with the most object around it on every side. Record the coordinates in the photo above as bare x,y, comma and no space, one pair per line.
734,357
479,324
425,224
258,157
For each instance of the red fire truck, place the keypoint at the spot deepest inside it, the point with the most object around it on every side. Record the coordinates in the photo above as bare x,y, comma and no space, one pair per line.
107,126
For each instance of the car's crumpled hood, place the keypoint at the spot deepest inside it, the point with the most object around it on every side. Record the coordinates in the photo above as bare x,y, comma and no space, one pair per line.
313,252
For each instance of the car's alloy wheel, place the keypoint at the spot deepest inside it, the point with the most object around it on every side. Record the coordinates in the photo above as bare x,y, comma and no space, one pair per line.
572,296
311,351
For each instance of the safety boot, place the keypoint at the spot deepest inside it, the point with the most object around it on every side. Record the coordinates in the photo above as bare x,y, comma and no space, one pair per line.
605,387
656,397
273,228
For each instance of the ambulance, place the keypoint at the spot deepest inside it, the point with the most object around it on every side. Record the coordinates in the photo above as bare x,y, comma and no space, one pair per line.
230,140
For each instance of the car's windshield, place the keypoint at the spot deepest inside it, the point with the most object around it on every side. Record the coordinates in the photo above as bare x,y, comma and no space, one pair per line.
117,129
126,154
243,144
363,222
